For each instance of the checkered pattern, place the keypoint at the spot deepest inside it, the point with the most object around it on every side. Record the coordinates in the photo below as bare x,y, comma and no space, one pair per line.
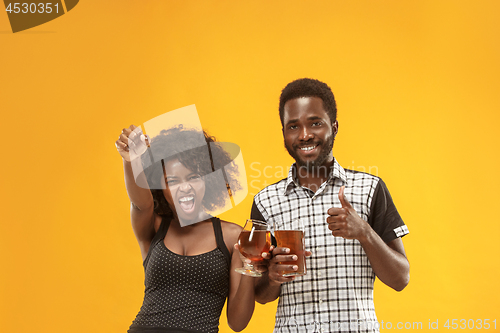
336,294
401,231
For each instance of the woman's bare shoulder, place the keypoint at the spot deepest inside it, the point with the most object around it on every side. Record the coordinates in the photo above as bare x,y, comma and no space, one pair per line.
231,227
231,232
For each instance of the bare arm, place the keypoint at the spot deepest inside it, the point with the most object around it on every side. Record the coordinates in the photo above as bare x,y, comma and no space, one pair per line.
241,299
387,260
267,290
141,200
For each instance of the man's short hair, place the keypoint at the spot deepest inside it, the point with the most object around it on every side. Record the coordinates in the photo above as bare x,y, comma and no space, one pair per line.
309,88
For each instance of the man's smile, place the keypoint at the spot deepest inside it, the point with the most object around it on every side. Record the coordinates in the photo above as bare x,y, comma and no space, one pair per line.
308,148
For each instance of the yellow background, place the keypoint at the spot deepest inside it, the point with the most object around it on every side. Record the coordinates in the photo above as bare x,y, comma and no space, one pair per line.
417,86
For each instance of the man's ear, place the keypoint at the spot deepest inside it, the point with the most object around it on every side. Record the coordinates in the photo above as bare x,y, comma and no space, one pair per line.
335,127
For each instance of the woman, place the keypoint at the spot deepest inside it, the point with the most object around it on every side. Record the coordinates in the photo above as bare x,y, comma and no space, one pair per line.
189,270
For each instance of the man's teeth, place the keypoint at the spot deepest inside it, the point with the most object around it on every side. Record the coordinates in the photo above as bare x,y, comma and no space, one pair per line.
184,199
308,148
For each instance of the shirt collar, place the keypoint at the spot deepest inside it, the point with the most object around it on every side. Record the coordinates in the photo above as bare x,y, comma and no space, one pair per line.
335,172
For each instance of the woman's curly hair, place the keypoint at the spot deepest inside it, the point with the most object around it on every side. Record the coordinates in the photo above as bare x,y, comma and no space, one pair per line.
204,160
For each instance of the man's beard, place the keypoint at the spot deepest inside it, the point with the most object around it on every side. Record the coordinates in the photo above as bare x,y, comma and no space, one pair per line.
326,149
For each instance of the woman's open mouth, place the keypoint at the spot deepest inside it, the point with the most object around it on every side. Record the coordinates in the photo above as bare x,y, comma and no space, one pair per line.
187,203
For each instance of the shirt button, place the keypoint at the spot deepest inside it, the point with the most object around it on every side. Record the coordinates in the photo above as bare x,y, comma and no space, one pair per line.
319,273
320,301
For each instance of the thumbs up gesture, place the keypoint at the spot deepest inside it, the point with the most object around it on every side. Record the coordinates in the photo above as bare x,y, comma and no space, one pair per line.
345,222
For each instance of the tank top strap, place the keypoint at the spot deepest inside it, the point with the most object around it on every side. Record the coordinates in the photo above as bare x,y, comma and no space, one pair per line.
219,238
158,237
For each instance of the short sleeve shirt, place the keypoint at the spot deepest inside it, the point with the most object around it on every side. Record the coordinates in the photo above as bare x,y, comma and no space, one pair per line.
336,294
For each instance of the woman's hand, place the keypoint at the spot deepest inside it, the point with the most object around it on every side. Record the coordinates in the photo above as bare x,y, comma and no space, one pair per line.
132,143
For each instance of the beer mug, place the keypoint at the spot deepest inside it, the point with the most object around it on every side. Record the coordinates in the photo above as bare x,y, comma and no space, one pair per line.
290,234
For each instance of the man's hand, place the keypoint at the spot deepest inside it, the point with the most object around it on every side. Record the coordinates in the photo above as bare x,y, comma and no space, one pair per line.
260,266
279,255
269,287
345,222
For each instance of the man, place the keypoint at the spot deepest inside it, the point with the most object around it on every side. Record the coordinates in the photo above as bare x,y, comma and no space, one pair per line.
352,226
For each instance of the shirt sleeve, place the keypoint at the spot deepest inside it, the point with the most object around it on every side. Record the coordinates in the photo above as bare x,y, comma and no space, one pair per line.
255,214
384,217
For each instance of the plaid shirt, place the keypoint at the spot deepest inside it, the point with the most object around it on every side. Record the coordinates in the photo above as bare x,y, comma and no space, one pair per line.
336,294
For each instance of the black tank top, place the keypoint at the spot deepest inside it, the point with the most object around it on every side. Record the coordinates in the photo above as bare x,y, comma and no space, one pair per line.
183,293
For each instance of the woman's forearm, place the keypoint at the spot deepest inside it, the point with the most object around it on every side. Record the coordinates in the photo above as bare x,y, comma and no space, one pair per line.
240,307
140,197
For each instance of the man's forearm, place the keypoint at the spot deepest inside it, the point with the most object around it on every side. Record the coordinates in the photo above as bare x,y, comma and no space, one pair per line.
388,261
266,290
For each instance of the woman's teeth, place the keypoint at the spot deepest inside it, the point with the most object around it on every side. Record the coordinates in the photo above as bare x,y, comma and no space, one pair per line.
187,204
184,199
